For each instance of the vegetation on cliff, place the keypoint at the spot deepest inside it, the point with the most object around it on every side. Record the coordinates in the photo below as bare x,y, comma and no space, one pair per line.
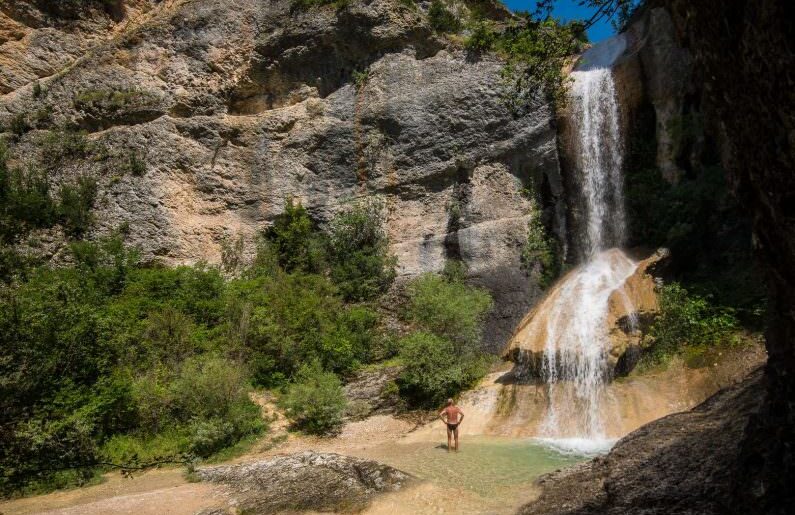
690,325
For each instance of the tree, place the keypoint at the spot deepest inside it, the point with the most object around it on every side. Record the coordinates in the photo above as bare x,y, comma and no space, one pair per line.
361,265
298,244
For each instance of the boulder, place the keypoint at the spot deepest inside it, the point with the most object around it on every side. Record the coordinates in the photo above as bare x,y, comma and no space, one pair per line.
304,481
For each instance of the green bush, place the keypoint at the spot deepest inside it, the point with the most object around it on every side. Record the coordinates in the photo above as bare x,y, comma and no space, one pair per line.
441,19
360,78
111,100
304,5
19,125
25,202
361,265
200,408
285,320
481,38
134,164
314,401
689,323
436,369
443,358
539,257
76,203
299,245
449,309
62,144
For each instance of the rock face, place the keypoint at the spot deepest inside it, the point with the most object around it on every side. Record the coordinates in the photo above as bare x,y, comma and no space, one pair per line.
235,106
744,53
676,464
629,312
368,392
305,481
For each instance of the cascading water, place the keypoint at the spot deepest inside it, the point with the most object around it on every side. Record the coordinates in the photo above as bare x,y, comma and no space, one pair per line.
598,146
573,317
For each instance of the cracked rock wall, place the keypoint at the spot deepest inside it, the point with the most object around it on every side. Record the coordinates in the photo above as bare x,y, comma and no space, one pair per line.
234,106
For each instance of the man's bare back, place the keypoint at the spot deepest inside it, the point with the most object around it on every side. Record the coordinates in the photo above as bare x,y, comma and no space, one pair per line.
452,416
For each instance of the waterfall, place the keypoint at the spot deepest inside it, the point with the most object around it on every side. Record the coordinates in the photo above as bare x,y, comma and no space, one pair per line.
573,318
598,146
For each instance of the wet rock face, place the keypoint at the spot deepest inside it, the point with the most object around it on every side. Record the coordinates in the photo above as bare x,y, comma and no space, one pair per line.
628,307
305,481
234,106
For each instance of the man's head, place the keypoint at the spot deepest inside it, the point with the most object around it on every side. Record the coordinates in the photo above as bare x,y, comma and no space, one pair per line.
449,402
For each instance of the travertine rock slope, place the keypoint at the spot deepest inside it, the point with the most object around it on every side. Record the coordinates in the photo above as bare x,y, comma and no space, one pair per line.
236,105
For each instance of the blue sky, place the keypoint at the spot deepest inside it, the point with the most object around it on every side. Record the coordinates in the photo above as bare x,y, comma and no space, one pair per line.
568,10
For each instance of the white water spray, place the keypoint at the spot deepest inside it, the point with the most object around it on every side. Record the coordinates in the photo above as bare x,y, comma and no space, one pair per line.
575,321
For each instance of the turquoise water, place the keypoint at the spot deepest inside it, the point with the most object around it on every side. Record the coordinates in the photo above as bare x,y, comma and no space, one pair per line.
484,465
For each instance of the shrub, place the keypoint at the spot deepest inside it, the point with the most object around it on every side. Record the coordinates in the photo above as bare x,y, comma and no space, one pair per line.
688,321
361,265
19,125
360,78
62,144
205,405
304,5
111,100
168,336
25,202
436,369
283,321
441,19
449,309
134,164
314,401
76,203
299,246
481,38
539,256
443,358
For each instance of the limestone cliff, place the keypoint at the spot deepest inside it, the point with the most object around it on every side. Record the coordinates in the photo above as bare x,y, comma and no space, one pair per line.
228,108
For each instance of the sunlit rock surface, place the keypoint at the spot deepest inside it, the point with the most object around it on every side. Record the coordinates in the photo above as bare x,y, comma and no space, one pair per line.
304,481
235,106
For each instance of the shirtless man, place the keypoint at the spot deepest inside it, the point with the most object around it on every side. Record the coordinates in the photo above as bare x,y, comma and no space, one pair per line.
452,416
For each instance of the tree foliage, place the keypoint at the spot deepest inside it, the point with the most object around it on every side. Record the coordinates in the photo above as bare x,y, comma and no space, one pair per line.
436,369
314,401
443,357
689,322
361,264
448,308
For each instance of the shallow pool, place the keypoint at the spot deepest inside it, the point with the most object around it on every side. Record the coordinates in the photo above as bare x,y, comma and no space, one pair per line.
496,470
